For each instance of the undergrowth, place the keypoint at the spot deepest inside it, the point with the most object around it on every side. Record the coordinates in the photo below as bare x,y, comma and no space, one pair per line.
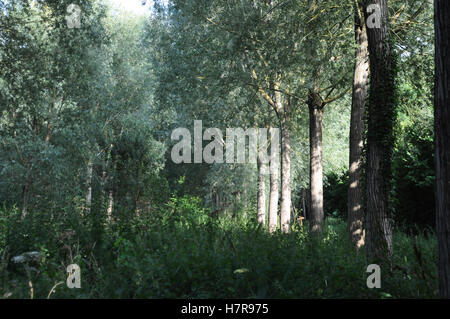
179,251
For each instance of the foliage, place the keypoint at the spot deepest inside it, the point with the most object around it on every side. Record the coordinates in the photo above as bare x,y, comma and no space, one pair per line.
86,177
179,251
335,194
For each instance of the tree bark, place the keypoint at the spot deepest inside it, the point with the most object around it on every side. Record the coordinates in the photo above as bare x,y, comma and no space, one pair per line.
285,207
89,186
103,182
360,86
379,140
109,211
274,184
48,135
283,113
315,105
261,192
113,191
442,141
26,198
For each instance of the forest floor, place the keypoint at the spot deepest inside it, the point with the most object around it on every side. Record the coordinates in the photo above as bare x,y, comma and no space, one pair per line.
181,252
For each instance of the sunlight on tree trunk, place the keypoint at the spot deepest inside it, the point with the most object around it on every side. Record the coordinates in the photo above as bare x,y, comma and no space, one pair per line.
285,210
360,86
109,211
315,105
261,192
283,111
274,185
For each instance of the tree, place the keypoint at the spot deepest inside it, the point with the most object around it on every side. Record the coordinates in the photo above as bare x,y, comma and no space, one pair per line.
43,63
359,94
262,167
71,98
380,118
274,191
129,157
442,141
319,95
309,63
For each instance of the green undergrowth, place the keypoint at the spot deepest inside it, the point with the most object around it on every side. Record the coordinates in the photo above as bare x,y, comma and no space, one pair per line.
179,251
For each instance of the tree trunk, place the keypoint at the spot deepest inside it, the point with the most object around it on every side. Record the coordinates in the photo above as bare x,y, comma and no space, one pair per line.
304,194
379,138
261,192
283,113
26,198
102,186
315,105
217,201
442,141
109,211
89,186
285,209
113,191
48,135
137,192
274,183
360,86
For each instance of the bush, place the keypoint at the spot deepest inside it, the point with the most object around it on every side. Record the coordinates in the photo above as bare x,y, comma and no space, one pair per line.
335,194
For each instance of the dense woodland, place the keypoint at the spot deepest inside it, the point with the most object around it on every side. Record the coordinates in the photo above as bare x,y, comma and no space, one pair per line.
359,90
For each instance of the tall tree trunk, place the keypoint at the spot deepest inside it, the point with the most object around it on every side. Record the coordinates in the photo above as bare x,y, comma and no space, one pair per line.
102,187
137,192
261,191
109,210
89,186
285,207
113,191
48,135
360,86
379,139
283,113
274,182
315,105
442,141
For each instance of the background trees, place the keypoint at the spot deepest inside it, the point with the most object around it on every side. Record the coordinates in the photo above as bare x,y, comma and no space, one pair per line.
245,36
43,70
67,96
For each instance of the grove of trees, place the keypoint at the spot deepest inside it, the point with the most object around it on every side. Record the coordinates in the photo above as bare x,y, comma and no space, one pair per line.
356,90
